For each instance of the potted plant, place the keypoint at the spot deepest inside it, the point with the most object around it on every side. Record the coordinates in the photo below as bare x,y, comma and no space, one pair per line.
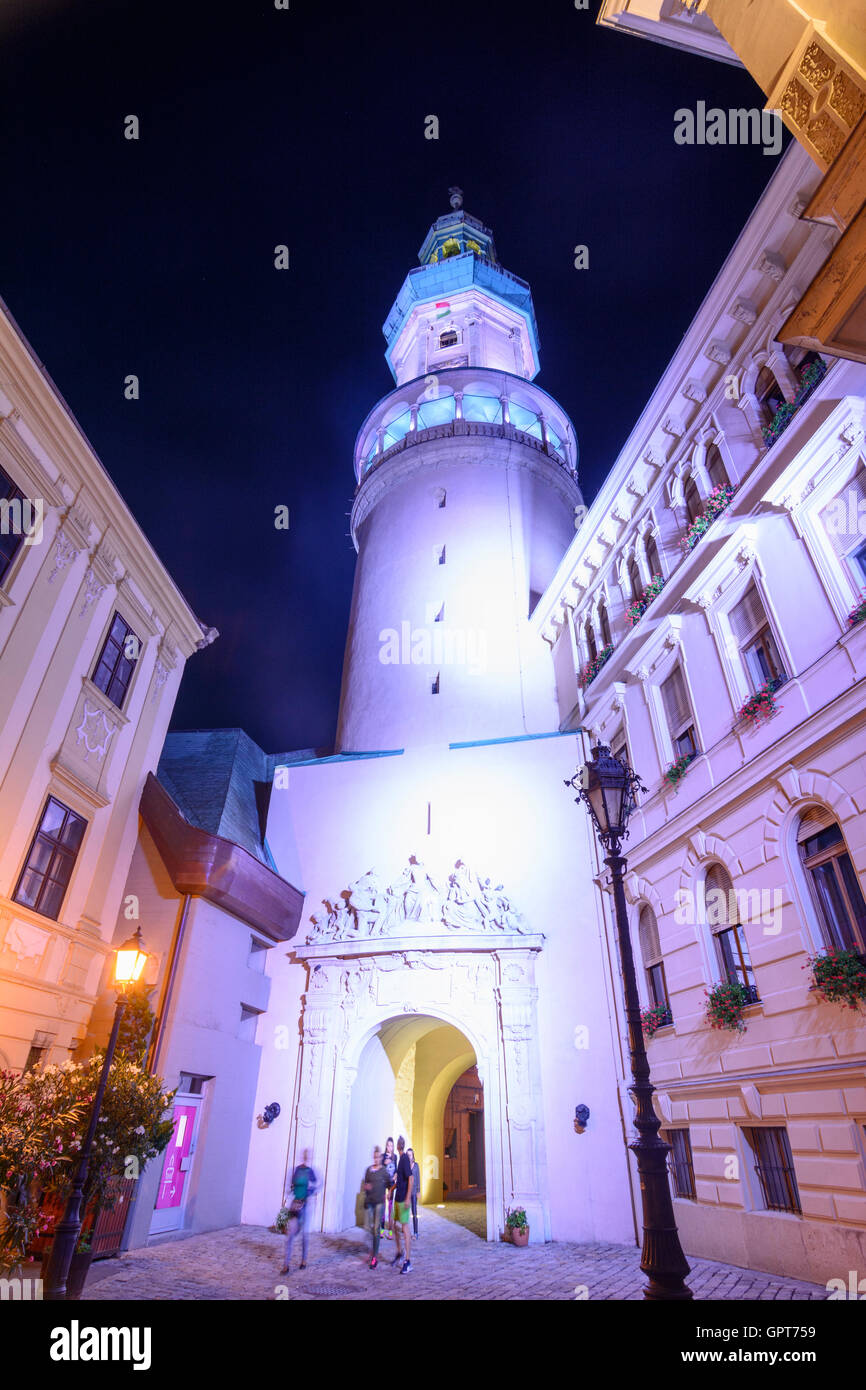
838,977
677,771
725,1005
718,501
760,706
592,668
636,610
858,612
517,1226
652,1019
281,1223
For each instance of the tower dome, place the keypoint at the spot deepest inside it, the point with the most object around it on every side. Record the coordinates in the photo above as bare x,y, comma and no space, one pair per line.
467,485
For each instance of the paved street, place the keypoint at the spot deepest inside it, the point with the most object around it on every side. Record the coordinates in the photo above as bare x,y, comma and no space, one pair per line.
449,1261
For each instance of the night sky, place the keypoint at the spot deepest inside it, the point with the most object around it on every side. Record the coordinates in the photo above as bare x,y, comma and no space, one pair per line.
260,127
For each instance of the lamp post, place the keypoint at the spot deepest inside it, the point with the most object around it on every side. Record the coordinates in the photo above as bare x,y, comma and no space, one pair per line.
608,789
129,963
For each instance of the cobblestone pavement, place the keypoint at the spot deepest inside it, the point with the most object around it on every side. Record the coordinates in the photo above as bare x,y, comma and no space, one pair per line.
448,1262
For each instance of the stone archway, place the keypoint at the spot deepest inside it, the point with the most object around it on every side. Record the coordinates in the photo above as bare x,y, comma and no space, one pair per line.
443,950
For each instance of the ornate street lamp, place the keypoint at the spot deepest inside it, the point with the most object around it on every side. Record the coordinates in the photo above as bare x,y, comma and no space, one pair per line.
609,788
130,960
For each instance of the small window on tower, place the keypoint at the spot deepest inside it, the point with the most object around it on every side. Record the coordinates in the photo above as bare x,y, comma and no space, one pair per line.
440,497
439,554
448,339
434,688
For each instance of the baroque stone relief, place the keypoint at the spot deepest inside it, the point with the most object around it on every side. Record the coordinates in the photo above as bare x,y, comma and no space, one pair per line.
417,901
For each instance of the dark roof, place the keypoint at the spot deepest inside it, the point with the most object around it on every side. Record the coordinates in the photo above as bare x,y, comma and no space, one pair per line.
220,780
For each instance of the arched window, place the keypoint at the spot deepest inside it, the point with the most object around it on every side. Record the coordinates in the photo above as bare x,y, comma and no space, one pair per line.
723,920
652,555
604,624
769,393
591,646
716,468
833,881
694,506
449,338
635,582
651,954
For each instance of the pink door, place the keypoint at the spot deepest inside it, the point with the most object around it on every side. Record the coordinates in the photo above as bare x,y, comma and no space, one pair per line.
176,1162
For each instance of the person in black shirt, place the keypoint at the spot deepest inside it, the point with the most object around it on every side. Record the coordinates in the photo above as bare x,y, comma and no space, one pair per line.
403,1206
376,1181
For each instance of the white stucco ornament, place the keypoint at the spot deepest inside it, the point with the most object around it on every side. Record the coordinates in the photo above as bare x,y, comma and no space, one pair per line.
463,903
94,732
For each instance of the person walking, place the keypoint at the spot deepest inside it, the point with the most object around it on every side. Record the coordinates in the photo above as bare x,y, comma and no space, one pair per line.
404,1184
416,1189
304,1185
376,1182
389,1158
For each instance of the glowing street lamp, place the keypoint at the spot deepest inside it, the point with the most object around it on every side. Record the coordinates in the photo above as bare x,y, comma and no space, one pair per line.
129,963
608,788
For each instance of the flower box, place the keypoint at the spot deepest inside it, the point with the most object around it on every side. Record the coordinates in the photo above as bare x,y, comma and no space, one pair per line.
838,977
761,706
592,668
718,501
659,1016
636,610
677,771
726,1003
858,612
809,378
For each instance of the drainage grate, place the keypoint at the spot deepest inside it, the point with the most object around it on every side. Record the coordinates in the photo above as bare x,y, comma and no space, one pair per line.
328,1290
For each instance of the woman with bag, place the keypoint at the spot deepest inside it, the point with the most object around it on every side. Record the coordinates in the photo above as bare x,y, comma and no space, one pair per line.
303,1185
375,1186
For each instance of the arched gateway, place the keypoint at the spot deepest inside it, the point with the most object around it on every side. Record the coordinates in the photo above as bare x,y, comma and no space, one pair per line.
450,957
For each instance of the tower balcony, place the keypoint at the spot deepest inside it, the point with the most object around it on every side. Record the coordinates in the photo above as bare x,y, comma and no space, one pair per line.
464,401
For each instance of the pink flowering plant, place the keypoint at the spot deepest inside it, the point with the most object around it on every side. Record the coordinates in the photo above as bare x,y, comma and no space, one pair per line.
677,771
718,501
759,707
858,612
838,977
654,1018
725,1005
592,668
636,610
44,1115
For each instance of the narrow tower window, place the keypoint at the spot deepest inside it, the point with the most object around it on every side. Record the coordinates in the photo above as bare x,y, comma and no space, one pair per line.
448,339
439,554
434,688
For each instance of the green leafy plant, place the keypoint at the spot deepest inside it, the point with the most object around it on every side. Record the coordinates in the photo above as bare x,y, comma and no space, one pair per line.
838,977
718,501
592,668
282,1221
809,378
725,1005
659,1016
515,1218
636,610
677,771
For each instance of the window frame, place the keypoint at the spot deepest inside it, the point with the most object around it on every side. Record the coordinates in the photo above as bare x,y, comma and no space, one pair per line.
12,554
758,1153
59,854
117,616
689,726
835,851
680,1166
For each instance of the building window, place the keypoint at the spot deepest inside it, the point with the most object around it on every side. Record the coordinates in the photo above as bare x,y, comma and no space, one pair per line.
720,904
249,1022
116,661
769,394
591,645
716,470
774,1166
841,519
258,955
434,686
635,582
439,554
449,338
604,624
652,556
833,881
11,523
681,724
692,499
648,933
39,1050
756,642
680,1162
46,874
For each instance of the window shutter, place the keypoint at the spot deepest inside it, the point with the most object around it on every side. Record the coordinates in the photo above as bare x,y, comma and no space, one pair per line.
747,615
718,882
813,821
838,514
648,931
676,701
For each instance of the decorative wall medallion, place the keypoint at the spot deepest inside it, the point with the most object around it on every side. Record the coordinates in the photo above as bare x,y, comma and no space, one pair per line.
94,732
93,590
64,553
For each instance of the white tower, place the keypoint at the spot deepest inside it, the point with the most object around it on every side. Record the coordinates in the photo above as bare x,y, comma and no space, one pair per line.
467,485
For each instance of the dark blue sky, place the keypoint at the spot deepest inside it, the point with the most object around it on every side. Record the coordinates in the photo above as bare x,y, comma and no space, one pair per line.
306,127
